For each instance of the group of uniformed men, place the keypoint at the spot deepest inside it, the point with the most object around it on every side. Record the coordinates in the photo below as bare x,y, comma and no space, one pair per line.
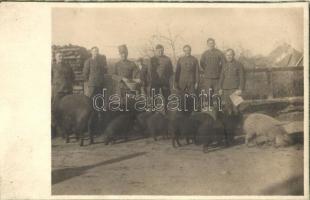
221,72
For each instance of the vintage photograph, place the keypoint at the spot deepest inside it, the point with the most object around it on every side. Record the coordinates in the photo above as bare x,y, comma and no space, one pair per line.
178,100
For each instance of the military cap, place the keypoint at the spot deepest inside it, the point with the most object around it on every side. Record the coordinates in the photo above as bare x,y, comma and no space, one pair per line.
159,46
140,59
94,47
122,48
187,46
232,51
210,39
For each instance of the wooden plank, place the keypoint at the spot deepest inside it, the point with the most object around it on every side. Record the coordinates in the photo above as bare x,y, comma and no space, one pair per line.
274,100
73,57
299,61
269,106
67,49
270,87
273,69
294,127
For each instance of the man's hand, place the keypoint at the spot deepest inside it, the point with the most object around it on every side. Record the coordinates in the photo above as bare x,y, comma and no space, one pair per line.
124,79
220,92
137,80
196,86
238,92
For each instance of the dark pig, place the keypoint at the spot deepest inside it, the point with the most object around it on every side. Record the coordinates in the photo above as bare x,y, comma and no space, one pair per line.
107,117
74,114
211,128
185,126
188,129
157,124
212,131
175,118
195,121
141,122
119,128
181,126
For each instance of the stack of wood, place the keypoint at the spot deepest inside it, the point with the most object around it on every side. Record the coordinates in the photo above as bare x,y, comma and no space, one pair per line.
75,56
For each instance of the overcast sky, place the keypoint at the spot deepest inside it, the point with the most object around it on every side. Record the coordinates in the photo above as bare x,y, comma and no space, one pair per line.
256,29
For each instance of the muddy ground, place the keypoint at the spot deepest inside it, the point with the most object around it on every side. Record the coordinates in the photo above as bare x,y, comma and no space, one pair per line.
146,167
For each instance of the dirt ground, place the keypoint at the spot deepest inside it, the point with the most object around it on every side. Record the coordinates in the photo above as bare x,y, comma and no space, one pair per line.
146,167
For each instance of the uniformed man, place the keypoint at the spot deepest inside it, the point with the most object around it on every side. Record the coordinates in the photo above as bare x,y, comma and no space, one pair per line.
62,85
187,75
62,79
94,70
144,75
211,62
127,71
232,80
161,71
187,72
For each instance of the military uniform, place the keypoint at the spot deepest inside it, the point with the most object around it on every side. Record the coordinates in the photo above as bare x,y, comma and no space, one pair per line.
62,81
161,71
211,62
94,71
144,77
187,74
62,84
232,78
125,69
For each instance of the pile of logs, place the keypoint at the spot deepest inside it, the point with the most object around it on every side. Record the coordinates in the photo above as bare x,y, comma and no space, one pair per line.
75,56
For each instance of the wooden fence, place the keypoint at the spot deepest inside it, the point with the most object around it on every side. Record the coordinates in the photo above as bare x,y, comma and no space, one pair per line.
261,83
270,83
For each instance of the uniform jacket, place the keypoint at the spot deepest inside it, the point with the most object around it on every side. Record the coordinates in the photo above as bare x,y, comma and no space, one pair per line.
126,69
211,62
232,76
144,75
94,71
161,71
62,78
187,72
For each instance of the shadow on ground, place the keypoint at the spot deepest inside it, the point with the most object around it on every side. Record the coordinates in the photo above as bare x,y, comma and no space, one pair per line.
292,186
60,175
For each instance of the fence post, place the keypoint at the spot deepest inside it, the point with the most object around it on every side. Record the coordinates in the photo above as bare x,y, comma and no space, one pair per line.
270,86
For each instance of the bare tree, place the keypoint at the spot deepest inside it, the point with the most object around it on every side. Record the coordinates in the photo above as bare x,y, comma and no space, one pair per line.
169,39
148,49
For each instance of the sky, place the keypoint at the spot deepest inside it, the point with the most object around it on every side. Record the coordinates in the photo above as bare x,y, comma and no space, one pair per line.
256,29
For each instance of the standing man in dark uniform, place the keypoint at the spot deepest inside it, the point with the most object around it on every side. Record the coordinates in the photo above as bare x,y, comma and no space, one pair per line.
144,75
187,74
62,79
211,62
62,85
232,80
127,71
94,70
161,71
